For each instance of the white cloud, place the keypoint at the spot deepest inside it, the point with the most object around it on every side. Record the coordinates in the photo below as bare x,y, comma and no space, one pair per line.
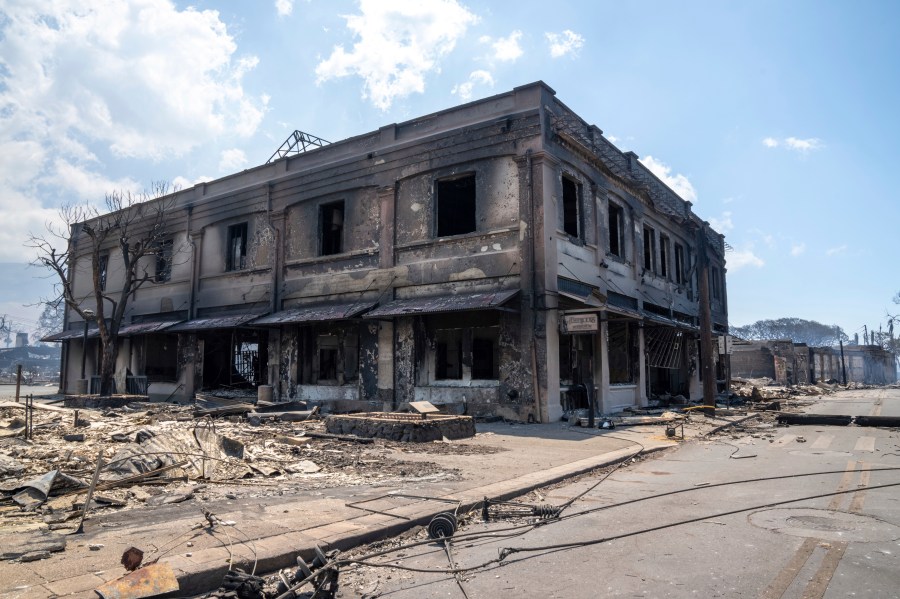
803,146
181,182
284,8
612,138
797,249
836,250
128,78
506,49
722,224
678,182
85,184
464,90
561,44
232,159
737,260
398,43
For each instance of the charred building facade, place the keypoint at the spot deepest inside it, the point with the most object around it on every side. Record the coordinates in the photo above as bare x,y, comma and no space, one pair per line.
501,257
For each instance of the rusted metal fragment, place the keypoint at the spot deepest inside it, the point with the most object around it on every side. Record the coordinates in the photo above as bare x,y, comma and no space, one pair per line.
150,581
132,558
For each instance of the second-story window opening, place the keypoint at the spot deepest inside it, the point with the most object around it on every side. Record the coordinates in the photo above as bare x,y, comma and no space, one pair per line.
664,256
163,261
716,282
236,257
455,206
616,230
679,264
571,216
649,249
103,268
331,223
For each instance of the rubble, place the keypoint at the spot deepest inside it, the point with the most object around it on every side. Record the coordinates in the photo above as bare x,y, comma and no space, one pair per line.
156,454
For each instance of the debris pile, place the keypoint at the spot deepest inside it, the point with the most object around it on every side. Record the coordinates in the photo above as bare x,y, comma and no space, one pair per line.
153,454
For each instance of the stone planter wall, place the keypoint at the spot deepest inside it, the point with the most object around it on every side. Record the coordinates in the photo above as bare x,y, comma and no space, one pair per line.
398,428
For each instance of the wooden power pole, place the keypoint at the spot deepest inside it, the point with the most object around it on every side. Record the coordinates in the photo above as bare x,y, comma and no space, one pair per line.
707,357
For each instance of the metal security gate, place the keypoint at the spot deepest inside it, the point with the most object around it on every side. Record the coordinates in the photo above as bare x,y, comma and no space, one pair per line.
665,347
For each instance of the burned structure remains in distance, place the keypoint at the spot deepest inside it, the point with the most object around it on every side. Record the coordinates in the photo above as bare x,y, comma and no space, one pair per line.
501,257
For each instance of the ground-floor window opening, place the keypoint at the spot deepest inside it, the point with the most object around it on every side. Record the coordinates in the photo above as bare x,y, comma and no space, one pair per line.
622,351
667,361
329,354
237,358
463,348
161,358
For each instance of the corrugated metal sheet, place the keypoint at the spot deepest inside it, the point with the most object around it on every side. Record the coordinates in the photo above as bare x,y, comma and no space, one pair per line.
63,335
624,312
145,328
444,303
315,313
213,322
662,320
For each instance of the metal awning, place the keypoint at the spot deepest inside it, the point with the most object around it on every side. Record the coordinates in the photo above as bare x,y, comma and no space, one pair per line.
212,322
444,303
146,328
315,313
63,335
670,322
590,301
636,314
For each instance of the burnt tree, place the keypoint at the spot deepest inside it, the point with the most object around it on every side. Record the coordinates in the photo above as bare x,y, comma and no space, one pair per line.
128,233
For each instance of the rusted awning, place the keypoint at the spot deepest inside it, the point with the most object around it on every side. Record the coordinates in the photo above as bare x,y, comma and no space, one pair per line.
671,322
628,312
315,313
146,328
444,303
69,334
213,322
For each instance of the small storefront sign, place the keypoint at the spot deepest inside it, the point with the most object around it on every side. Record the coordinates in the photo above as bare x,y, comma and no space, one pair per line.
580,323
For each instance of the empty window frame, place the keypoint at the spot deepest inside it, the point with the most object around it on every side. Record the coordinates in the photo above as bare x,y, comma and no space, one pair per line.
160,357
571,207
329,355
331,227
616,231
715,276
163,271
464,353
649,249
448,354
620,342
680,276
486,353
456,206
102,270
664,245
236,248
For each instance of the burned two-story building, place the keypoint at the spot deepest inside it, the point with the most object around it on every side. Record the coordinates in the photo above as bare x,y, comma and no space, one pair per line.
501,257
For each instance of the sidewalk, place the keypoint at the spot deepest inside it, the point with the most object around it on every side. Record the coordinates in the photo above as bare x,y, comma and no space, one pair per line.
272,527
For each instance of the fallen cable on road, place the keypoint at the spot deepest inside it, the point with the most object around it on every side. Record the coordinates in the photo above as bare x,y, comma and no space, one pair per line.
507,551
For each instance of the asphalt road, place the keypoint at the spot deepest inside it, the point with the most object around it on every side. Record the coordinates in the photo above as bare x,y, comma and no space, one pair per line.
707,533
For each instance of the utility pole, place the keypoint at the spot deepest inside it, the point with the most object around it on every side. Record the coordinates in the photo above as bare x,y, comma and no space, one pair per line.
707,360
843,366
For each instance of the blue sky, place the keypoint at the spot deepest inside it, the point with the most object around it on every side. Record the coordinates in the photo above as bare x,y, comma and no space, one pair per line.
777,119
